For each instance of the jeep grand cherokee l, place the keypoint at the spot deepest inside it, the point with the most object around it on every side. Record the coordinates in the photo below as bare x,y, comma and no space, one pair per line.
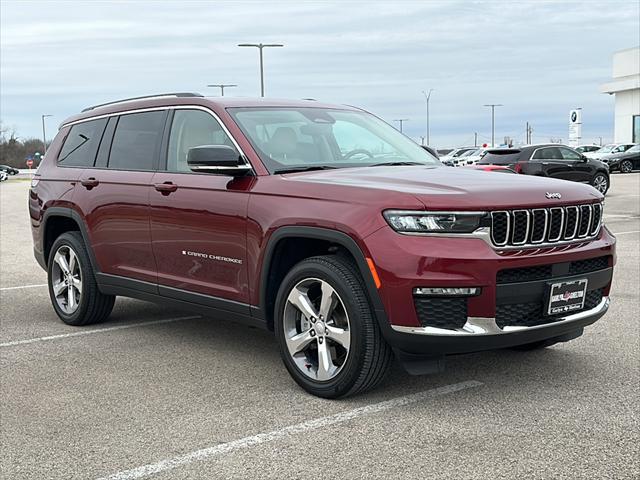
320,223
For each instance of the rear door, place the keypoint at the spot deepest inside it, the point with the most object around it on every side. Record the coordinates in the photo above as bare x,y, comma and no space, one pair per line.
552,163
114,195
199,220
582,171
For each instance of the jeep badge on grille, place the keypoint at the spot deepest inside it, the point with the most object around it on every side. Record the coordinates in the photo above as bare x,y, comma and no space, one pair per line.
551,195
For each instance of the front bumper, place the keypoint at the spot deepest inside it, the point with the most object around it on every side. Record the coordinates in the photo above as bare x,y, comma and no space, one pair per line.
490,320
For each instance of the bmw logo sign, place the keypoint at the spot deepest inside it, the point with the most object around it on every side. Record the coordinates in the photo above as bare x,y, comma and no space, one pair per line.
574,116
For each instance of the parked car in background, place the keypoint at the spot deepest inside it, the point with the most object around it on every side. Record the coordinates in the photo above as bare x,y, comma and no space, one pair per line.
472,157
609,149
587,148
9,170
624,162
449,158
552,160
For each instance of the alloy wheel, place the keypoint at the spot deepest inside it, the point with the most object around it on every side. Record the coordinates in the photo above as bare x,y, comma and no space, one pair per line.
66,279
601,184
316,328
626,167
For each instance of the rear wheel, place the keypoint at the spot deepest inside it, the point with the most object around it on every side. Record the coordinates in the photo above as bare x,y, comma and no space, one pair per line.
72,284
601,182
626,166
328,337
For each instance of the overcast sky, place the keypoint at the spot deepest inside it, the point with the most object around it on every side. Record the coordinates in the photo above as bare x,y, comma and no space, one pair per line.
539,59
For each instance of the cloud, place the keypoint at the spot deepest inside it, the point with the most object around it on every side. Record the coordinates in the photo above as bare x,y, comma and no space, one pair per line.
538,58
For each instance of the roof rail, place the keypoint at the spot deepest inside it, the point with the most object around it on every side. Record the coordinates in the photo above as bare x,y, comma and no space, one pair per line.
158,95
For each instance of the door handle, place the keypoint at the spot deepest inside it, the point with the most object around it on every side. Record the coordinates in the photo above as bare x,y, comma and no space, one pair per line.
166,188
89,183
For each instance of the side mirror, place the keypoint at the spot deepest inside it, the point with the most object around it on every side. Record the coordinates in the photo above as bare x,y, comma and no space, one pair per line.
216,159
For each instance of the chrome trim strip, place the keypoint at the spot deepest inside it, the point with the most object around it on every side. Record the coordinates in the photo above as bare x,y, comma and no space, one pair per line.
507,234
477,326
170,107
544,229
586,234
575,229
561,224
526,231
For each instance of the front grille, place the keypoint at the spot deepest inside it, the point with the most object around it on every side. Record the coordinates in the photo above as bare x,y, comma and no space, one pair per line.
532,313
516,228
448,313
544,272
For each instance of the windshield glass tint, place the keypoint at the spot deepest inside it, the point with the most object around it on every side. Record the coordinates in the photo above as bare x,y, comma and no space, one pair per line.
287,138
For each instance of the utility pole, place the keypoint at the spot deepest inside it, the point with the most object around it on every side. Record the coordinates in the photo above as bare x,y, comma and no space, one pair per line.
428,97
44,135
260,47
493,121
529,136
222,86
401,121
475,139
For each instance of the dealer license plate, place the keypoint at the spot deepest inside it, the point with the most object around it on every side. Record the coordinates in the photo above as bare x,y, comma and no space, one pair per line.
565,297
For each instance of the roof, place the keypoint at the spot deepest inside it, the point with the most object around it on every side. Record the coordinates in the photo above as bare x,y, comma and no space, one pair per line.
167,100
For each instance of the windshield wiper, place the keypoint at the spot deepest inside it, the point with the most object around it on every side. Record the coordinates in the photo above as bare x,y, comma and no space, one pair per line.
304,169
394,164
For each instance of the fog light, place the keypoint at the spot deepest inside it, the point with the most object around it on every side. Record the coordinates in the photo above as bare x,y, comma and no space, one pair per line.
447,292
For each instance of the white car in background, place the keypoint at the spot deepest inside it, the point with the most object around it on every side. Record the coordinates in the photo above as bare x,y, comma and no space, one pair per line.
587,148
609,149
451,158
472,157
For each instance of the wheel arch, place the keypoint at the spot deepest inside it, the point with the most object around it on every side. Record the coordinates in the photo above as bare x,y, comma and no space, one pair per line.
58,220
308,242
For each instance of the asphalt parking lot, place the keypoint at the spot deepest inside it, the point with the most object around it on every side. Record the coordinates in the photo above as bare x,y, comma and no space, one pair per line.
163,393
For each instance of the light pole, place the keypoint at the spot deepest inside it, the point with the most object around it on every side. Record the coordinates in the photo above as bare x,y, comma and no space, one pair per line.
222,86
261,46
428,97
493,121
44,135
401,121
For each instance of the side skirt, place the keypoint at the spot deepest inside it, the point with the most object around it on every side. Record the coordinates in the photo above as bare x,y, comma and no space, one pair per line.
212,307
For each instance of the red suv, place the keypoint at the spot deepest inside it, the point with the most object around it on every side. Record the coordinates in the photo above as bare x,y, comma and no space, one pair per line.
319,222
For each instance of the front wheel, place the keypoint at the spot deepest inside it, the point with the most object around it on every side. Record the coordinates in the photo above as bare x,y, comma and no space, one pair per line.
328,337
601,182
626,166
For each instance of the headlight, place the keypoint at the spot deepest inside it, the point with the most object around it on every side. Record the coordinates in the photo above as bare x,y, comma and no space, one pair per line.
433,222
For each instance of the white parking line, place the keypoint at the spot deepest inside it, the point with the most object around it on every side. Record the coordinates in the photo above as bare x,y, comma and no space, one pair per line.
24,286
95,330
246,442
624,233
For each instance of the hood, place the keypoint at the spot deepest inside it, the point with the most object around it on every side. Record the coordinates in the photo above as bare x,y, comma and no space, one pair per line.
446,188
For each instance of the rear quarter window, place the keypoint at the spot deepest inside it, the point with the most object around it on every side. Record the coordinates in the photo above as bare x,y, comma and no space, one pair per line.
81,144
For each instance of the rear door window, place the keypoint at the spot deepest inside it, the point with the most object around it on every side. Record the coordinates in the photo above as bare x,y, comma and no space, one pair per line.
136,141
548,153
81,145
569,154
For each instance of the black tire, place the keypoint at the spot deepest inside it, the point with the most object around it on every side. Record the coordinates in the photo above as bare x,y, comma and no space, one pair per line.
93,306
626,166
601,177
369,356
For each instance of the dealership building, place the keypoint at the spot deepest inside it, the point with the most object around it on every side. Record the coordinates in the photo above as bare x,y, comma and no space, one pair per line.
625,85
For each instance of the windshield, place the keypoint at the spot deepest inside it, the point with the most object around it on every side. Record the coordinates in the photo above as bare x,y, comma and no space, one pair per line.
290,138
